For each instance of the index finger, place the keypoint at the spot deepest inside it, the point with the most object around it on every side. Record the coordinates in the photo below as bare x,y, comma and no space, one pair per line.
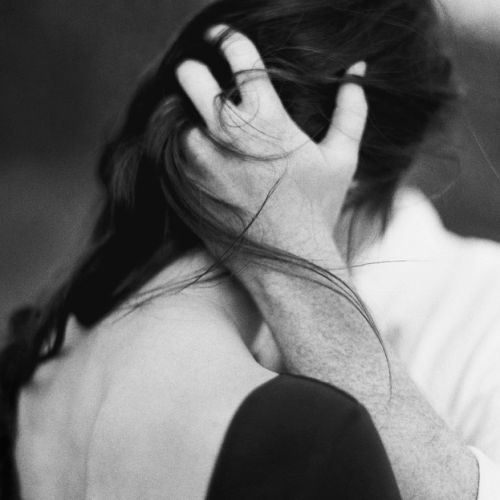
245,62
201,88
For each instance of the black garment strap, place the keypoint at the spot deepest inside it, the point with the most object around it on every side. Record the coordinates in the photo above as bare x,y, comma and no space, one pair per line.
295,438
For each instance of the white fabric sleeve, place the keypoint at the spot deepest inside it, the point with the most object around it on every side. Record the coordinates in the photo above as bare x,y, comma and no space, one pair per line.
489,476
435,298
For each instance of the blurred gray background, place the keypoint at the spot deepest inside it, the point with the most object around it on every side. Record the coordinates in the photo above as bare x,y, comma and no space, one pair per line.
68,68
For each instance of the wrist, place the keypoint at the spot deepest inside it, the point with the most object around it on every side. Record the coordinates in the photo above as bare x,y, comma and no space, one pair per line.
302,253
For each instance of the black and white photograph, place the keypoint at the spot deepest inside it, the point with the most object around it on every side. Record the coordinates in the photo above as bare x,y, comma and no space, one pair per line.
250,250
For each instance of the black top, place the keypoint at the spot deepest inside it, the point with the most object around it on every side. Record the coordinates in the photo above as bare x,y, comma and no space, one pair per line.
295,438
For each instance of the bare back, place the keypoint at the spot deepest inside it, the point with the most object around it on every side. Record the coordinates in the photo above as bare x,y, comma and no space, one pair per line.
138,406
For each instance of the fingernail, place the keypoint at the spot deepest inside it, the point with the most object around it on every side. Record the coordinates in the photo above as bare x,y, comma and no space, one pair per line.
216,31
358,69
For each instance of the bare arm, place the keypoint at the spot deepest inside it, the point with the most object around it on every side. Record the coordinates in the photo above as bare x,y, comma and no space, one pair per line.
322,336
319,332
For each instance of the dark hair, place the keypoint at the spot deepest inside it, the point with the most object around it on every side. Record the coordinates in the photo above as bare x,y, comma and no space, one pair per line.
151,214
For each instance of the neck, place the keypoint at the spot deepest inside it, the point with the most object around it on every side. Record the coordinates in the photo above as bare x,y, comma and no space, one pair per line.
199,278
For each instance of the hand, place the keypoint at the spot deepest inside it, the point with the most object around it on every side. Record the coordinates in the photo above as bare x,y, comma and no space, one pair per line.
308,181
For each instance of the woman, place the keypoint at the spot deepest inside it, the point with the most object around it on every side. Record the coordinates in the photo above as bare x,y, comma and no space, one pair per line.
85,364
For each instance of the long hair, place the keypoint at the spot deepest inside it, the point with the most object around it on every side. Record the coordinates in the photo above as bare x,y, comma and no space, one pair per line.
151,212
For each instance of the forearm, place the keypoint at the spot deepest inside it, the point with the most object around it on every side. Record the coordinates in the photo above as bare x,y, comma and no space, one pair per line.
323,336
429,460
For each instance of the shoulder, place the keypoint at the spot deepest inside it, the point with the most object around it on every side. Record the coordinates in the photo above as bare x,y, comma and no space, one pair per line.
167,408
172,340
316,412
295,417
300,438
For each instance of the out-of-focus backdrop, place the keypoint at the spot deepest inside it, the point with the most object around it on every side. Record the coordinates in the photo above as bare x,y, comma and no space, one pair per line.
68,68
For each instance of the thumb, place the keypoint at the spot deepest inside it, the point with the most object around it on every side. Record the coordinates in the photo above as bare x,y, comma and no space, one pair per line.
344,136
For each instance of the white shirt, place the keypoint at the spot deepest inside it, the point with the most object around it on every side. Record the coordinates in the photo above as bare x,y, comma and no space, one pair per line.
436,299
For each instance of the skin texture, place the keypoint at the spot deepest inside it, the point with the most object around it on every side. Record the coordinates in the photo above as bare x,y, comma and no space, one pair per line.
319,333
141,398
261,127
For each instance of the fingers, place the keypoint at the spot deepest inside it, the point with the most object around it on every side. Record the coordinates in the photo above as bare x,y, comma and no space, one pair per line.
349,119
202,88
243,57
256,88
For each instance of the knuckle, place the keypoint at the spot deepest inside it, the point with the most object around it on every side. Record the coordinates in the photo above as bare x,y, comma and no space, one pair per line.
234,44
238,48
231,116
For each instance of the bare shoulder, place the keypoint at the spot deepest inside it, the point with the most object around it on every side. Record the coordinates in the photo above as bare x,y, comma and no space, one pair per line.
174,386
